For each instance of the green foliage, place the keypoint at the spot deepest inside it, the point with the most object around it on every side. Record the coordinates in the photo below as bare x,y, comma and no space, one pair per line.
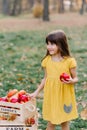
20,65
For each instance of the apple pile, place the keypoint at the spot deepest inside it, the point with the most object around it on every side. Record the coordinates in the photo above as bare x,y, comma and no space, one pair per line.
64,76
15,96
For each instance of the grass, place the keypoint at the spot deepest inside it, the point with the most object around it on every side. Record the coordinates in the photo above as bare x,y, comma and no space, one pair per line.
20,64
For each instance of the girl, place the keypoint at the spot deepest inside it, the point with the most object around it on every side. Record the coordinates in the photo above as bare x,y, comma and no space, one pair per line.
59,105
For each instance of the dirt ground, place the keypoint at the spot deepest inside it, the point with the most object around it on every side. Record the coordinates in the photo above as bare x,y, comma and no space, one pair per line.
28,22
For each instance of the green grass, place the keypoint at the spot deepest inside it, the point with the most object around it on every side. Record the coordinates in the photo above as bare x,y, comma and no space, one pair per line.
20,64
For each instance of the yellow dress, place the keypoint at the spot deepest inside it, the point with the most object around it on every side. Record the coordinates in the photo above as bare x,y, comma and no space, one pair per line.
59,103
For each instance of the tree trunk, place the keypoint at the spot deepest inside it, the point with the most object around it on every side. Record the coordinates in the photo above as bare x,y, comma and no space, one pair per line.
5,8
82,7
46,10
31,3
71,5
61,6
15,10
54,4
20,6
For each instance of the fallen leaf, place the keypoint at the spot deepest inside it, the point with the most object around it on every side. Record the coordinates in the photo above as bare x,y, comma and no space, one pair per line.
1,84
83,114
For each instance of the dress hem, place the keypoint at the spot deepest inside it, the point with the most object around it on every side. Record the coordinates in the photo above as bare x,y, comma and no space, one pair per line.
61,121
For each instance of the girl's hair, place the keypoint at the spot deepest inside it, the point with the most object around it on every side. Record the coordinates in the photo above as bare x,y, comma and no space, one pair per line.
58,37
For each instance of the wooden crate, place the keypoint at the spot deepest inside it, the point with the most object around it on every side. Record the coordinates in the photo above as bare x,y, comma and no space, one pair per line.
18,127
20,113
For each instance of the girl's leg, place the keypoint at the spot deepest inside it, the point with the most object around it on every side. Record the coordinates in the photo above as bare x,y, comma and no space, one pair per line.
65,126
50,126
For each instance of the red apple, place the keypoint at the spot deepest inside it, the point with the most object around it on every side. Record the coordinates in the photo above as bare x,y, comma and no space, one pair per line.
32,121
23,98
14,100
64,76
0,98
4,99
21,92
21,102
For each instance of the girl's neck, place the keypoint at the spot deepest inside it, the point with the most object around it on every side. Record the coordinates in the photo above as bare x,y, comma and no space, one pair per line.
57,57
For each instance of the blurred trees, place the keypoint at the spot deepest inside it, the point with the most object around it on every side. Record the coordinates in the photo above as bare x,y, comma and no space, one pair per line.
16,7
11,7
83,6
31,3
46,10
71,5
5,6
61,6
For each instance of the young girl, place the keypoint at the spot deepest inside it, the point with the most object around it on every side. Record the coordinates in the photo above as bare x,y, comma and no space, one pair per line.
59,104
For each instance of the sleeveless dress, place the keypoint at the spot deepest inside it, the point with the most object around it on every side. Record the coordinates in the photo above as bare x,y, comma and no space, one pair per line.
59,103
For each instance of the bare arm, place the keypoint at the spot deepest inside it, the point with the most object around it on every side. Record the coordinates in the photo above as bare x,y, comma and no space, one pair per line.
40,87
74,75
73,79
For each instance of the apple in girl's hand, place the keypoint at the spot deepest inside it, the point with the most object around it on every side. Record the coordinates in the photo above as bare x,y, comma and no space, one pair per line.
64,76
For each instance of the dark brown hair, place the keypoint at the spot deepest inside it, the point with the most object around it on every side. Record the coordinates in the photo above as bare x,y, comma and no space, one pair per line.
58,37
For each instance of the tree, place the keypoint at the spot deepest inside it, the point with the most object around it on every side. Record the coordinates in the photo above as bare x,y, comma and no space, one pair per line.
46,10
5,8
61,6
15,10
54,4
31,3
71,5
82,7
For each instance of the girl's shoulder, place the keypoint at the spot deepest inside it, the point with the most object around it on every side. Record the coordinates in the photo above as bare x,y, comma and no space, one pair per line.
45,60
71,61
70,58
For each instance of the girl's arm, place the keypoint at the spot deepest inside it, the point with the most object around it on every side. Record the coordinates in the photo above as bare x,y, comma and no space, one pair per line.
73,79
40,87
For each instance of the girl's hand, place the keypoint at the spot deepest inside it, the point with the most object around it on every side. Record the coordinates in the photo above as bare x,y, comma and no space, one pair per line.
69,81
34,94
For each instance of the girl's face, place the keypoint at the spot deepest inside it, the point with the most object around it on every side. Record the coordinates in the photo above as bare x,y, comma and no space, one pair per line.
52,48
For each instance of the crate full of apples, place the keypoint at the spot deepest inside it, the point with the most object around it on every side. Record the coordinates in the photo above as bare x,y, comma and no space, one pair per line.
18,108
